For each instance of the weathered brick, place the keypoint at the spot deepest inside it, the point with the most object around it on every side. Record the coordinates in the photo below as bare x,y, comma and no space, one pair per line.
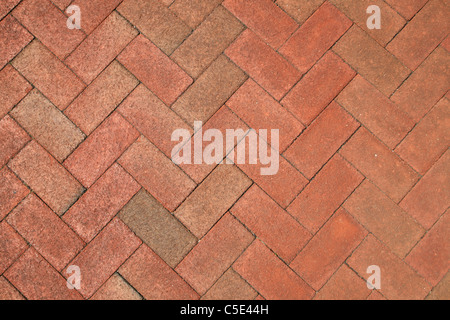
7,291
15,36
161,231
93,12
300,10
51,182
48,125
442,290
13,87
12,139
12,244
230,286
12,191
62,4
318,88
150,65
116,289
407,8
6,6
336,180
101,202
193,12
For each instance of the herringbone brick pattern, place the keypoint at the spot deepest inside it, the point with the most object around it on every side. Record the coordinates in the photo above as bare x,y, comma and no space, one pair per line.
86,177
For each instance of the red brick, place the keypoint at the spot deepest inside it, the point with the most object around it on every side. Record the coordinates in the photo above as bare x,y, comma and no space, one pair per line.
156,22
432,255
214,254
446,43
428,200
6,6
384,219
12,191
325,193
210,91
345,284
155,280
12,139
99,99
318,88
299,10
101,47
152,118
329,248
91,159
62,4
407,8
116,289
36,279
12,246
371,60
387,121
428,140
426,86
375,296
192,12
230,286
44,230
16,36
217,193
398,280
270,223
270,276
49,75
7,291
379,164
48,125
101,202
251,54
13,87
104,255
267,20
45,176
442,290
155,69
422,35
315,37
321,140
93,12
157,173
207,42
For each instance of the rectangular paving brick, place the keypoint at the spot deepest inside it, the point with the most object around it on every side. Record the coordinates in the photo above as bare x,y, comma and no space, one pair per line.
150,65
299,10
265,18
431,256
260,111
12,244
384,219
16,36
116,288
214,254
318,88
398,280
152,118
422,35
336,180
441,291
48,125
154,279
321,140
428,140
407,8
270,223
104,255
251,53
101,47
265,272
315,37
207,42
49,75
45,176
379,164
158,228
371,60
48,24
6,6
13,87
12,191
36,279
156,22
328,249
212,198
7,291
426,86
45,231
12,139
230,286
428,200
95,103
387,121
91,159
157,173
101,202
94,12
62,4
192,12
210,91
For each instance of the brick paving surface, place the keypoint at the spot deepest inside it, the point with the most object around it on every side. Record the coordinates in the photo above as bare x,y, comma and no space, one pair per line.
87,180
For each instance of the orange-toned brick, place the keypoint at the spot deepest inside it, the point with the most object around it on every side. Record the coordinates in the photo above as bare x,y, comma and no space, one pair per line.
299,10
407,8
6,6
442,290
7,291
15,36
230,286
116,289
192,12
93,12
13,87
12,244
12,191
12,139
